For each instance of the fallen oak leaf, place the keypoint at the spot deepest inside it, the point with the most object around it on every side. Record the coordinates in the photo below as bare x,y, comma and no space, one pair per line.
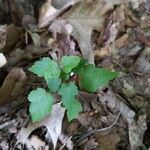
53,123
86,17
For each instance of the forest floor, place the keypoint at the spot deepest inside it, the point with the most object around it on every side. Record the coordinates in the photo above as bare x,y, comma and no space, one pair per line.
112,34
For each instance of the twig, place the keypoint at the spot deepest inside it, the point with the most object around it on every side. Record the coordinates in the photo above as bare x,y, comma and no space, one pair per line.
65,143
100,130
6,124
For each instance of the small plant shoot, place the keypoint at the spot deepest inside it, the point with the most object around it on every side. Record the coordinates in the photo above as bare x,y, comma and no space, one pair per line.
57,77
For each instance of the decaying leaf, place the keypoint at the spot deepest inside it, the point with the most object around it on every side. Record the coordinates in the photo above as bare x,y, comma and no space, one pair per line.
110,100
36,38
53,123
136,128
108,142
12,85
13,35
86,17
47,11
136,132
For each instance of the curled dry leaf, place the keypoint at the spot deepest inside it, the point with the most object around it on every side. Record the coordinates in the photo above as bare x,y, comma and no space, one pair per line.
53,123
12,85
48,13
13,35
35,38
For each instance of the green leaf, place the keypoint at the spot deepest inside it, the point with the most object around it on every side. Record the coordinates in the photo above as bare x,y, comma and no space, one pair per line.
68,92
80,66
41,103
64,76
91,78
54,84
69,62
73,111
46,68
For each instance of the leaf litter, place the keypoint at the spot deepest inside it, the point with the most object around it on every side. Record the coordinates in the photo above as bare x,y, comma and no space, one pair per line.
110,34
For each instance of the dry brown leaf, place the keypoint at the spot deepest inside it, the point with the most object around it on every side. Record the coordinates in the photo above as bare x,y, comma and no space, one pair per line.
46,11
91,144
110,100
85,17
12,85
13,35
136,128
35,38
53,123
108,142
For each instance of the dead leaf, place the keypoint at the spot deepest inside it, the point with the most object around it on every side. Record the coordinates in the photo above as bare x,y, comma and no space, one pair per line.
27,21
136,132
35,38
86,17
90,144
3,60
128,88
12,85
53,123
13,35
107,142
113,30
142,64
111,101
35,143
61,31
16,56
136,128
46,11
